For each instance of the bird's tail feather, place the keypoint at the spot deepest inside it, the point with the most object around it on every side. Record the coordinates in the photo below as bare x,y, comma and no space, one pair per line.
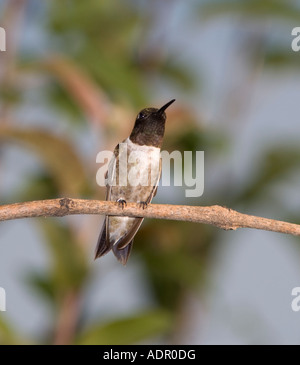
103,246
122,254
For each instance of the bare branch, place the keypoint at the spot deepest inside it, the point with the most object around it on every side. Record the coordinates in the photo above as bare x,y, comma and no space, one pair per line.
215,215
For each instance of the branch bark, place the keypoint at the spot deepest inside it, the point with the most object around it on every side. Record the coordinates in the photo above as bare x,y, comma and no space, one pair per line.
215,215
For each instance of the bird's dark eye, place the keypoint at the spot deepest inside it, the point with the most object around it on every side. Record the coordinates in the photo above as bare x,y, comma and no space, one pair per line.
141,115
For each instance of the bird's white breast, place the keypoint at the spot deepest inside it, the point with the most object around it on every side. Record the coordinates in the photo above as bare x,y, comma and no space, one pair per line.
137,186
143,164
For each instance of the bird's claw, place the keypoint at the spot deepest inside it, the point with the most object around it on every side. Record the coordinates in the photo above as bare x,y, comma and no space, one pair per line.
122,203
143,205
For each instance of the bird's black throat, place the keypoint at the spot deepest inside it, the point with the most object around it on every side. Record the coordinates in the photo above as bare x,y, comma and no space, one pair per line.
149,128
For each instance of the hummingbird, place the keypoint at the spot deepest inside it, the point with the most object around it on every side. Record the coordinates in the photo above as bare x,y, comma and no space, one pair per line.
140,153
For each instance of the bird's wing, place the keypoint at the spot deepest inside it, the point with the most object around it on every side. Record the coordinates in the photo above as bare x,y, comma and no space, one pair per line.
154,190
103,245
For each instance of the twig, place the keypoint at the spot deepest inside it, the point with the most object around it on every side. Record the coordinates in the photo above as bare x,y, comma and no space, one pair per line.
215,215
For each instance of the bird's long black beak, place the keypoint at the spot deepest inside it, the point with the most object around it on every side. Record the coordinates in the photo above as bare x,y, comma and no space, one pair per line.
163,108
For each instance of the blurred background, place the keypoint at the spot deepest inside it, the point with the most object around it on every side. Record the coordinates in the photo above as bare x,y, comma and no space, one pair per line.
73,78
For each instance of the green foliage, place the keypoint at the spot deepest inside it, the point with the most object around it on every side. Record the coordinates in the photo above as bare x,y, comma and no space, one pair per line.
8,335
175,258
278,57
69,264
128,330
275,167
39,187
98,44
109,50
68,270
282,9
57,153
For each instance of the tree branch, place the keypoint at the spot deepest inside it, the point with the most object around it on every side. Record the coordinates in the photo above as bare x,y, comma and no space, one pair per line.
215,215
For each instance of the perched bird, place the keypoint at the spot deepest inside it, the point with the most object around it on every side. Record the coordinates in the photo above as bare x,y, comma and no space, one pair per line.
138,159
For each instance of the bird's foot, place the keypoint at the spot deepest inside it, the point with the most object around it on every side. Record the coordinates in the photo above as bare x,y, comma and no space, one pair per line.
122,203
143,205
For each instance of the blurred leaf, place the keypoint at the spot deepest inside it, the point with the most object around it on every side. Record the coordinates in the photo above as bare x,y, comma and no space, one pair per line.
101,47
38,187
274,167
120,80
79,86
60,98
281,58
68,264
69,268
9,94
192,138
128,330
43,284
7,335
172,274
175,257
84,20
57,153
283,9
178,74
